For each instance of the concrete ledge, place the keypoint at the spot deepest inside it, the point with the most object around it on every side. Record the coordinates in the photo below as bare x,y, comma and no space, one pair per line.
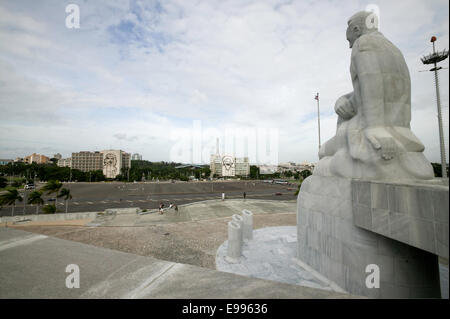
131,210
48,217
414,213
36,269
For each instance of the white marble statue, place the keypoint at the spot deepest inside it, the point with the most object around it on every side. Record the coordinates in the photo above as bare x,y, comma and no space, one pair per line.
373,138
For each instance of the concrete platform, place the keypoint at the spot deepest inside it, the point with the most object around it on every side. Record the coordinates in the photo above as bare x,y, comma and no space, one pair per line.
192,237
331,243
33,266
271,254
203,210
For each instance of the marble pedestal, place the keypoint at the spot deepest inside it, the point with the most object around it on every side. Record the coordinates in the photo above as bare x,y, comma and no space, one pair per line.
331,243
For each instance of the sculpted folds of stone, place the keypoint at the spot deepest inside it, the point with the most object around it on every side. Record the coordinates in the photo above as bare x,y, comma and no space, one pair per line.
373,138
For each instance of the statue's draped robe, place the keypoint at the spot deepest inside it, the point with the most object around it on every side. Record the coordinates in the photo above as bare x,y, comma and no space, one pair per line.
382,102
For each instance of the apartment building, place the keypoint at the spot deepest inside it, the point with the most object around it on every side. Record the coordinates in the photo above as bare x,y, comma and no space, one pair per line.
87,161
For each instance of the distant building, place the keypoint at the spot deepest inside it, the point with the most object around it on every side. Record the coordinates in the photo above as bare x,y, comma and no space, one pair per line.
136,157
65,162
5,161
110,162
242,166
87,161
36,158
286,167
293,167
267,169
114,161
215,165
57,156
229,166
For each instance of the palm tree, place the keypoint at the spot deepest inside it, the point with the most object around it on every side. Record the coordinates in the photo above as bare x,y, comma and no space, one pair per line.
10,198
67,196
49,209
35,198
52,187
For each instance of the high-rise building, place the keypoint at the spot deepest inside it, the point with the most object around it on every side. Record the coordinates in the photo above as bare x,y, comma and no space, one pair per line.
57,156
110,162
87,161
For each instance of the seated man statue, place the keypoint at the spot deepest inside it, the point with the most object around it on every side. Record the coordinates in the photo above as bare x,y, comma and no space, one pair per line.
373,138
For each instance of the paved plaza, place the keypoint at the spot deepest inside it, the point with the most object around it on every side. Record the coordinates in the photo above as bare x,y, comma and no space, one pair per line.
34,266
141,256
89,197
192,236
195,236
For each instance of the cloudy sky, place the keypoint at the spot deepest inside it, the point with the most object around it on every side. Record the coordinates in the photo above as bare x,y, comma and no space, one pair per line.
138,75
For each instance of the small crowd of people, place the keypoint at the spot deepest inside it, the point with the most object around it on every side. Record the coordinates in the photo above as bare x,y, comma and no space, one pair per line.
172,205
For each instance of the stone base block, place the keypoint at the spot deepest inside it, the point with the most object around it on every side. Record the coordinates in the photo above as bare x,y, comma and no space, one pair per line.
331,243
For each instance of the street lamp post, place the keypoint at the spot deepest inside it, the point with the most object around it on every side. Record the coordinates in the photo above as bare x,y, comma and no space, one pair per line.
318,116
25,195
434,58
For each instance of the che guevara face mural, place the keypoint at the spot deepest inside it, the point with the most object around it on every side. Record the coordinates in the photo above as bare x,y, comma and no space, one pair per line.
110,164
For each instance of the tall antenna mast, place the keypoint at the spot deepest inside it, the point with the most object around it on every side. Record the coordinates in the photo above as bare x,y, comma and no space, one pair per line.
434,58
318,116
217,146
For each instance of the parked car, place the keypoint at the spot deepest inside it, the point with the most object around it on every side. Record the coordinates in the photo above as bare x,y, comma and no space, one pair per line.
51,200
30,186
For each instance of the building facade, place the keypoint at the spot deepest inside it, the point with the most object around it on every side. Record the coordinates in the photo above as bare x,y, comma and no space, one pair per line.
136,157
87,161
229,166
215,165
65,162
36,158
242,166
110,162
5,161
114,161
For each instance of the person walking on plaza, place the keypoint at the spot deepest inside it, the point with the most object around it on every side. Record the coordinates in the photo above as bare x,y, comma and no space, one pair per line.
245,195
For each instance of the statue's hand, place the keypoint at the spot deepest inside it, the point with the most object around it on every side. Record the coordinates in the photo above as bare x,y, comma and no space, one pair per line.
344,108
383,141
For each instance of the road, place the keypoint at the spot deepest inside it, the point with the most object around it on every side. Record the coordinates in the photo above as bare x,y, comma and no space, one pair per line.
88,197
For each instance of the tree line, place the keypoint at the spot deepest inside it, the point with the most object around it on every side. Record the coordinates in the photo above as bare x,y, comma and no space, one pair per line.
141,170
12,196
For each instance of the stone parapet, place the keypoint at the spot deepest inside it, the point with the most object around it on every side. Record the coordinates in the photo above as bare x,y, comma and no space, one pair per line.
414,213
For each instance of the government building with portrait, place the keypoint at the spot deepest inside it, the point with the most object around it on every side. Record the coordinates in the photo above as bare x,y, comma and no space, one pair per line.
111,162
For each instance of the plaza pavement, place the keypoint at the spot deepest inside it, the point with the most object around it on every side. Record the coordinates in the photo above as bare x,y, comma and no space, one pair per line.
88,197
34,266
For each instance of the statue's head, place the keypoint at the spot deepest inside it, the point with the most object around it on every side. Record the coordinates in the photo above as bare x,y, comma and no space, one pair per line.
361,23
